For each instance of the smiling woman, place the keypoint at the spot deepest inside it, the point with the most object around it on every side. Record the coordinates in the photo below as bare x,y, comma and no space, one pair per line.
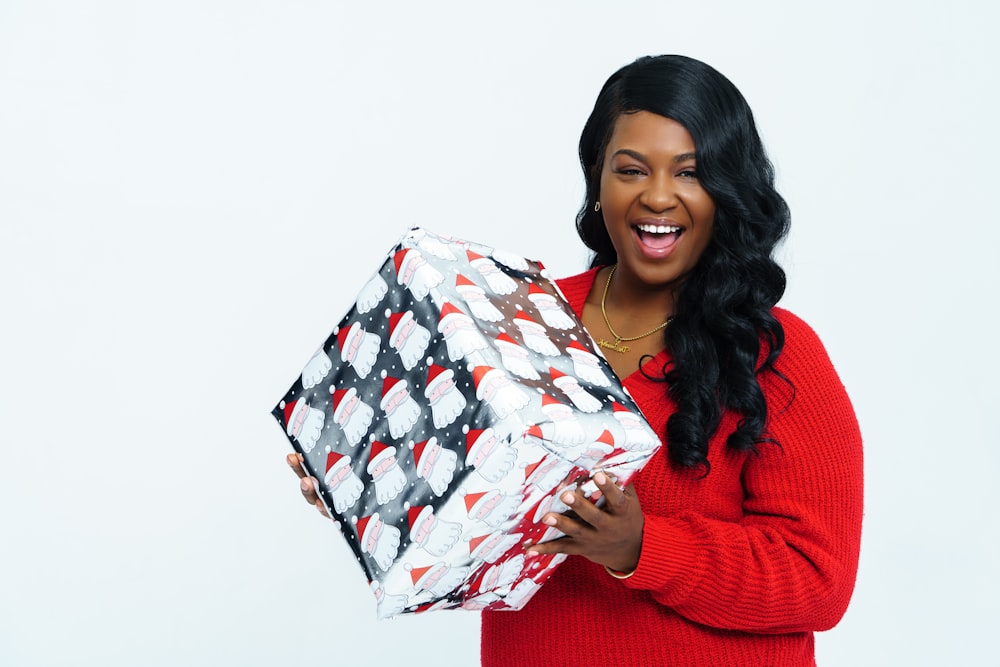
742,540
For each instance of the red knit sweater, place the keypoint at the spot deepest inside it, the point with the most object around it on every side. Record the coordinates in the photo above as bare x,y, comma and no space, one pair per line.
737,568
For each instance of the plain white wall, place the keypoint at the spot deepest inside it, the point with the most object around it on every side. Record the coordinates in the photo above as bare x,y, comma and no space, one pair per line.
191,193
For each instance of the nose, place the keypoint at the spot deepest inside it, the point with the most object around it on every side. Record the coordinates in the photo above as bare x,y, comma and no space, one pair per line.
660,193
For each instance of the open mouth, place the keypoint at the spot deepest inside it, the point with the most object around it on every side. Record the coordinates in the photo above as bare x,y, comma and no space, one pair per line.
658,237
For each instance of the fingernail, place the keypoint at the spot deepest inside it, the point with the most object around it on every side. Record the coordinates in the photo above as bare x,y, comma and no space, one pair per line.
568,498
549,520
601,478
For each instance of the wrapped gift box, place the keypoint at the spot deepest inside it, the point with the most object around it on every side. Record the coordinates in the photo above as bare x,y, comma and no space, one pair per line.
453,402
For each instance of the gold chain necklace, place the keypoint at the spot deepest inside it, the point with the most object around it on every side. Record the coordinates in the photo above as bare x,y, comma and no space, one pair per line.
617,345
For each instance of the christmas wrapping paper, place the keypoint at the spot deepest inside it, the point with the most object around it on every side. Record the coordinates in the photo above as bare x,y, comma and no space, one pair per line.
452,403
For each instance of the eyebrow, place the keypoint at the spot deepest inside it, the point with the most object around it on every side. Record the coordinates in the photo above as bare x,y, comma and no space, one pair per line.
683,157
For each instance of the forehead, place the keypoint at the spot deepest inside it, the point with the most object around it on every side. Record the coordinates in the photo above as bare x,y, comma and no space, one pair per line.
650,134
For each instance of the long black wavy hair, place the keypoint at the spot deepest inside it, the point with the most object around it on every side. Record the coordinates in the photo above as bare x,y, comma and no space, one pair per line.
722,316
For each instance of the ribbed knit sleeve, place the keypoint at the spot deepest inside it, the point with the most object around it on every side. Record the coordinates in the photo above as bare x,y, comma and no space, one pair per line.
789,563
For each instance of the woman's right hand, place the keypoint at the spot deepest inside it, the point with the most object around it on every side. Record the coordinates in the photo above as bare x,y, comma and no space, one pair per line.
307,484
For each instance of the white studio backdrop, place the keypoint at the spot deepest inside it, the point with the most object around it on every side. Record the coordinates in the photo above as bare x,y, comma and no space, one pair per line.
192,192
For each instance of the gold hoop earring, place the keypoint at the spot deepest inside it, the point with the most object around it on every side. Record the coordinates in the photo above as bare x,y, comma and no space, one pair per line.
597,207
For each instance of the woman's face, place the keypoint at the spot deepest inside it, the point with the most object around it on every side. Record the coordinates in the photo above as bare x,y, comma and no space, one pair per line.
657,213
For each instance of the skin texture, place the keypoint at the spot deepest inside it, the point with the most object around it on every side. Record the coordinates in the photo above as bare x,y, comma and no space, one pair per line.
648,177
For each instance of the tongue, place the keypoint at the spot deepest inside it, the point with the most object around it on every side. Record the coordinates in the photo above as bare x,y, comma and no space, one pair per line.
658,241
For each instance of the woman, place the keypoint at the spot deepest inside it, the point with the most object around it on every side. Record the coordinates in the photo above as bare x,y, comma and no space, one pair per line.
740,538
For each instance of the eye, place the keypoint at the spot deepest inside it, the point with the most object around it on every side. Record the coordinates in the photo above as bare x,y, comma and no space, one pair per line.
629,171
689,172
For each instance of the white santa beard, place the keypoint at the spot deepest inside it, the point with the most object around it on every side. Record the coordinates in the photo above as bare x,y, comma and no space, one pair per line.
389,484
436,248
390,605
589,371
316,370
312,427
425,277
441,473
511,260
346,493
497,464
551,472
539,342
368,348
411,350
481,601
502,546
503,396
386,547
442,538
448,581
580,398
463,342
371,294
499,282
484,310
447,407
503,574
358,423
521,593
518,365
503,510
566,432
553,316
636,436
402,419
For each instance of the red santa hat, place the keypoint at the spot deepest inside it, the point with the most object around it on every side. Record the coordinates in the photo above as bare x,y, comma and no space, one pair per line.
606,438
504,338
395,320
575,346
366,525
462,283
391,387
535,293
523,320
475,257
403,258
423,576
346,334
477,438
379,452
476,501
448,310
618,407
342,397
530,469
480,373
292,412
535,431
479,547
335,463
417,515
438,374
418,450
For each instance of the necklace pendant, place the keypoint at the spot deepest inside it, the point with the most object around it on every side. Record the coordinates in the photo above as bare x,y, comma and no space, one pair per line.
616,346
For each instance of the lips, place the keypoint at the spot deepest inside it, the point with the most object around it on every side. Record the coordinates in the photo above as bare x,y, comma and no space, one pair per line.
657,238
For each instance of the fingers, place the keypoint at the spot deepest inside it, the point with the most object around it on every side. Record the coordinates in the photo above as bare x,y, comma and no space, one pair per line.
294,461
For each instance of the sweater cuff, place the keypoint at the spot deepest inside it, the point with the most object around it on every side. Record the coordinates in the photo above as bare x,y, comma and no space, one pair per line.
670,556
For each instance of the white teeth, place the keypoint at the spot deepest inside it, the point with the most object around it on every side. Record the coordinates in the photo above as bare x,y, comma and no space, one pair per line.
658,229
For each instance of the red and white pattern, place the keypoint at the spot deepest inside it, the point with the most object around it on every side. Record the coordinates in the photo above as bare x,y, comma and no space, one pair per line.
461,403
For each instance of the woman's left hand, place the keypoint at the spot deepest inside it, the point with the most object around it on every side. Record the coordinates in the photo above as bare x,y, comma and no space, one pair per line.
609,535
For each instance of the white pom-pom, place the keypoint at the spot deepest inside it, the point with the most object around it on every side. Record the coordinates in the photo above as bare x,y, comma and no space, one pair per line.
465,429
281,406
384,374
430,360
388,312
